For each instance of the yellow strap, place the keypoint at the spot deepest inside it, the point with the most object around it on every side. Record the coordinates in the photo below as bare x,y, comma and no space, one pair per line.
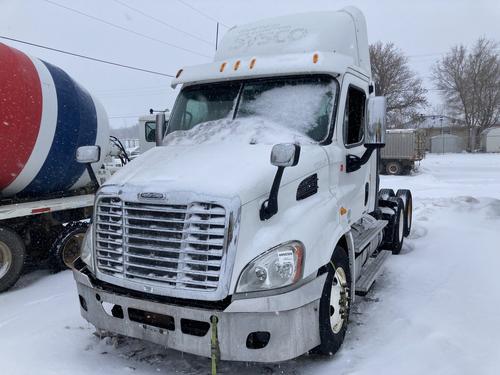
214,344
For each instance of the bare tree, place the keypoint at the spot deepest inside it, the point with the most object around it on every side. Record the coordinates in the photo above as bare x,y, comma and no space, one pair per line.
393,78
469,81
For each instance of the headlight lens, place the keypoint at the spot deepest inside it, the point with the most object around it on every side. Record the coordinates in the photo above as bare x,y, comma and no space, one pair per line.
276,268
87,255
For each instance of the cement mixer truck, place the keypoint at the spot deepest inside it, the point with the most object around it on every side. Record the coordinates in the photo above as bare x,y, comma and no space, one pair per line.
246,233
44,193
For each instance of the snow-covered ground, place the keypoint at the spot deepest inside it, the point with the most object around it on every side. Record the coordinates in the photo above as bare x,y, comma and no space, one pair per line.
435,309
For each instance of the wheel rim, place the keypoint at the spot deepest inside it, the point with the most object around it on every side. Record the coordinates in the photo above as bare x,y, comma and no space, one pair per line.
409,214
72,249
393,169
401,227
5,259
339,300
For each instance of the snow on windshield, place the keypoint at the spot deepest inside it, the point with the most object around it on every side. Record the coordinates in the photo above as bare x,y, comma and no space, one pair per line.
303,108
245,130
291,113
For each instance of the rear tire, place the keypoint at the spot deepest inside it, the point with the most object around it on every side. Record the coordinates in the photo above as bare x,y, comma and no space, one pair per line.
12,256
393,168
407,199
335,304
397,223
67,247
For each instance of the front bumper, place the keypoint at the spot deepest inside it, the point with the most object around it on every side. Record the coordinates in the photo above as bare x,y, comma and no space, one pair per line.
290,319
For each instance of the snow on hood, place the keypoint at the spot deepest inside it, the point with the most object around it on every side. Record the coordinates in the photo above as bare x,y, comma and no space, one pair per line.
222,163
251,130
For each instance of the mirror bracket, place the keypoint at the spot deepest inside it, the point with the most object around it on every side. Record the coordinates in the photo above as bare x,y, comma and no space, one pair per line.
92,175
282,156
354,163
269,207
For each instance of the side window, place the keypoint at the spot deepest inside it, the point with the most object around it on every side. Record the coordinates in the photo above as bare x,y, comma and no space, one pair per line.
150,129
354,117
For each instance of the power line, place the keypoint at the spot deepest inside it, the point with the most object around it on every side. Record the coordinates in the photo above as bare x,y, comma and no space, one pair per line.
202,13
87,57
143,88
123,28
163,22
125,116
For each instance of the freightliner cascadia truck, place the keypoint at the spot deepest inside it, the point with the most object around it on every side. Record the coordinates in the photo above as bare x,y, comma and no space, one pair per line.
45,195
248,230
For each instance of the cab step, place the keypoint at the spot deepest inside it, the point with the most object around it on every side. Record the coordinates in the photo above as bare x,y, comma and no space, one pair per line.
371,270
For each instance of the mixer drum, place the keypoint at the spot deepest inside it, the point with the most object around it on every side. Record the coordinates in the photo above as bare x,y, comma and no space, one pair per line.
44,117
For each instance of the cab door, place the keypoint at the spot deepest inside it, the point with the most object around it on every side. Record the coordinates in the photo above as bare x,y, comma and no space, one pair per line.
356,187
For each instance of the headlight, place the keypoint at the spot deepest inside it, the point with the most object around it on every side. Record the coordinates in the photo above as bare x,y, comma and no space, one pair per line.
276,268
87,255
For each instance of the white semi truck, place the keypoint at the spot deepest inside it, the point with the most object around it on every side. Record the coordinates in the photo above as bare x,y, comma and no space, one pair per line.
245,234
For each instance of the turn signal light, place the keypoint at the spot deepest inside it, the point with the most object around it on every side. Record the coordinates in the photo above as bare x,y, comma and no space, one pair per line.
315,58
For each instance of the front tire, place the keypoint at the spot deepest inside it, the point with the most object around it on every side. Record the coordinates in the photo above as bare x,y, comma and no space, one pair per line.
335,303
12,255
67,247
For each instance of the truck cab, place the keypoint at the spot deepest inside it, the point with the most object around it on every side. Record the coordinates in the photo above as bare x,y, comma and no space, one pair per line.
248,230
147,130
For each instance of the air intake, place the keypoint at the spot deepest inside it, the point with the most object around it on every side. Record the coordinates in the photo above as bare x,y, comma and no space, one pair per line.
308,187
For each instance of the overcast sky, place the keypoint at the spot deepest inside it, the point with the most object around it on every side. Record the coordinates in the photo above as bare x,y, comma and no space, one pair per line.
423,29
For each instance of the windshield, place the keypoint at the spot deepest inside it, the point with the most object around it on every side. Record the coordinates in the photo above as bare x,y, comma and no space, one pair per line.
302,104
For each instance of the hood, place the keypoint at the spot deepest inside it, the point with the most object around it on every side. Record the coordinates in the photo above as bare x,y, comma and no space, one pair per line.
225,170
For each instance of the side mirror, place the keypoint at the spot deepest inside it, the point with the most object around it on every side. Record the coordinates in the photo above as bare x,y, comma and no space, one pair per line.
160,128
375,124
285,155
88,154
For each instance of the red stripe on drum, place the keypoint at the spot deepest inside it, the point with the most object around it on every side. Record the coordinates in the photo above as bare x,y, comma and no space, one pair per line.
20,112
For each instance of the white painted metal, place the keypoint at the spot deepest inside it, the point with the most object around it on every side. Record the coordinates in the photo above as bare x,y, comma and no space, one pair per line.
286,45
10,211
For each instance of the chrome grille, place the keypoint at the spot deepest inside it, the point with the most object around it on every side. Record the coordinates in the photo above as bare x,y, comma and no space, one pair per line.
177,246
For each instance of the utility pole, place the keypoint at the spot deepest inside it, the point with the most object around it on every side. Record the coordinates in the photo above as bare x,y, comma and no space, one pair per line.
442,134
217,36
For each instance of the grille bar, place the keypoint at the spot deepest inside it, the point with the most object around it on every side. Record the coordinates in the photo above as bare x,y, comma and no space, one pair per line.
176,246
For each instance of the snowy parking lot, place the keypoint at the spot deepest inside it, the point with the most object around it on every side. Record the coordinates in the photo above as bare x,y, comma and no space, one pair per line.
435,309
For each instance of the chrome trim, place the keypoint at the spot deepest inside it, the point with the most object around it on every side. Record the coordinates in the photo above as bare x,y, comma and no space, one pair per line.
108,248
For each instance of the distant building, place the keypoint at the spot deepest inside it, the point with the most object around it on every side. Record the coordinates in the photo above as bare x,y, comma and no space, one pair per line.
490,140
446,143
434,125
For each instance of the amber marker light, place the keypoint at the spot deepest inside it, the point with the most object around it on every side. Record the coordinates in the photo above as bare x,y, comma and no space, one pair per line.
252,63
315,58
237,65
222,67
